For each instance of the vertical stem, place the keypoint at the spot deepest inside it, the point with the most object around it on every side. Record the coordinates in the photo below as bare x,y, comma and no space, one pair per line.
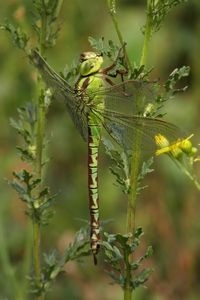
36,251
111,7
130,226
40,133
27,262
137,151
147,34
45,28
38,171
127,289
127,294
136,156
133,182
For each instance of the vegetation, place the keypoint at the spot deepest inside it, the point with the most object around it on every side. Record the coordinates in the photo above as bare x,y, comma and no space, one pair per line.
45,234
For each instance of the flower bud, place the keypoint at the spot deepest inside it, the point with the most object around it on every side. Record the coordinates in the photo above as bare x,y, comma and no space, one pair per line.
186,146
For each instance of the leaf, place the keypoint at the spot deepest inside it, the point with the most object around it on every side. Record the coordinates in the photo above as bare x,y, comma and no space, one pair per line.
18,187
19,38
118,248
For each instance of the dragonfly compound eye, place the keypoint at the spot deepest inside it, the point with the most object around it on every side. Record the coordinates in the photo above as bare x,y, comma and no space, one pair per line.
90,64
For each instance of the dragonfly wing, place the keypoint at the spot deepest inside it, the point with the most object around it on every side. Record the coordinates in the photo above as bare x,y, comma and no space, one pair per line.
123,116
131,132
129,97
62,91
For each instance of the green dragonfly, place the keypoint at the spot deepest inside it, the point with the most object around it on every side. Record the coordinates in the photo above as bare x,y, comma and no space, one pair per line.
99,108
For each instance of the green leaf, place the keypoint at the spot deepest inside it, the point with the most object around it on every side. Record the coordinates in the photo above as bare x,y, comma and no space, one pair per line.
18,187
80,247
118,249
19,38
158,10
174,77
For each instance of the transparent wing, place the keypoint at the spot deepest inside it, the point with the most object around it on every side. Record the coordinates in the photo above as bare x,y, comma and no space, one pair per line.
130,97
131,132
123,116
62,91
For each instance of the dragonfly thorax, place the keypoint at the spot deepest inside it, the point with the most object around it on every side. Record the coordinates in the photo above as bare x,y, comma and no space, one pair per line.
90,63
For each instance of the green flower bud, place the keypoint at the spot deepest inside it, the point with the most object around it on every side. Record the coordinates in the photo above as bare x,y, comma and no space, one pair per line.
186,146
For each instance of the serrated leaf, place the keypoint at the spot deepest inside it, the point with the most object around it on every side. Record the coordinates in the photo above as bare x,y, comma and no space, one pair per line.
18,187
19,37
27,199
123,239
15,124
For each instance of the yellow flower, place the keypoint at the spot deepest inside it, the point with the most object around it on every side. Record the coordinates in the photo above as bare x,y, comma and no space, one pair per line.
177,148
161,141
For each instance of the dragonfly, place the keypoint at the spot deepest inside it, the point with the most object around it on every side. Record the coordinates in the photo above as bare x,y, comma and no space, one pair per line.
100,108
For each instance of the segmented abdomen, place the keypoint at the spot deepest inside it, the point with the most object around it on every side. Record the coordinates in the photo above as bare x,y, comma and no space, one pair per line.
94,134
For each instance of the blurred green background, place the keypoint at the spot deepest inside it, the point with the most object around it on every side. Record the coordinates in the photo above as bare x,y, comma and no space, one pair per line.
168,211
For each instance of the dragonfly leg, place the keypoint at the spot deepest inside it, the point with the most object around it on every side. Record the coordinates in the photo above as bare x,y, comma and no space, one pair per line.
120,72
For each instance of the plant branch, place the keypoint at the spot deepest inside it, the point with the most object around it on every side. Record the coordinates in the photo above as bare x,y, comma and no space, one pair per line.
147,34
112,10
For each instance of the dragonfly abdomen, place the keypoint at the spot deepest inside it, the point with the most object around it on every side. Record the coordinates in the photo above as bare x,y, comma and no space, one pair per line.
94,133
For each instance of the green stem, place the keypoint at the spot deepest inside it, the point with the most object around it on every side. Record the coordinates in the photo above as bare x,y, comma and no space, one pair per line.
27,261
38,171
191,176
40,133
127,294
111,7
147,35
36,250
132,201
136,157
127,289
133,182
43,29
46,22
135,165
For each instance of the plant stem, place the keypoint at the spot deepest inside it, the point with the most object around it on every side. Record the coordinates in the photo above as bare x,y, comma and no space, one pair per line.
111,7
36,251
191,176
133,182
135,164
147,35
127,294
127,289
40,133
132,201
136,159
39,174
27,262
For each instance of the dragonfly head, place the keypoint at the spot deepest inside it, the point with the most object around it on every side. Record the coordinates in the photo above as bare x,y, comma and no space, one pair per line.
90,63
